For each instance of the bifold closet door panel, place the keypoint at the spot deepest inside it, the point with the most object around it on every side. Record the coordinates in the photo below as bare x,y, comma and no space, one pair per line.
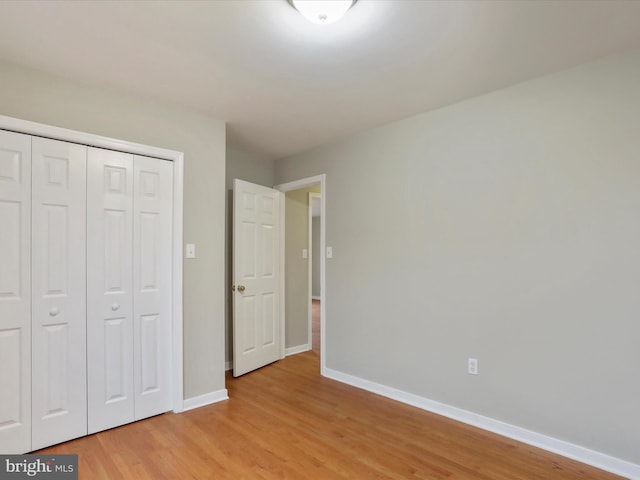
15,293
109,289
58,289
152,240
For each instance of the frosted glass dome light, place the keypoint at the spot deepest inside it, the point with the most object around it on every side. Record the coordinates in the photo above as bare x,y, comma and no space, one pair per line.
322,12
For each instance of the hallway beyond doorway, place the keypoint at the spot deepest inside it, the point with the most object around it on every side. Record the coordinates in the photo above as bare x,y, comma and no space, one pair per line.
315,326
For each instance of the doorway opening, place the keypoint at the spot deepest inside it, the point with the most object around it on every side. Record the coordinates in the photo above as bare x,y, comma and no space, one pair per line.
315,217
301,308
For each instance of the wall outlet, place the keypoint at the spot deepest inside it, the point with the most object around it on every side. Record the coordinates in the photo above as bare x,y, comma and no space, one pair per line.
190,250
472,366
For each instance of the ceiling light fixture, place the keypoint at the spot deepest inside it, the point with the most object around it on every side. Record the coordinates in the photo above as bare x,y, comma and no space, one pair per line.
322,12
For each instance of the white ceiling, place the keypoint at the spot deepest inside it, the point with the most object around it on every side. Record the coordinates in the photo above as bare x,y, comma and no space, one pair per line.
285,85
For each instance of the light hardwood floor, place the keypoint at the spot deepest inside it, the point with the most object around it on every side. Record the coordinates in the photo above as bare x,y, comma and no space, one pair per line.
285,421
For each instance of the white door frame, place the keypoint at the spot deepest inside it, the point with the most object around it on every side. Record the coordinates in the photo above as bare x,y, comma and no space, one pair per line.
296,185
57,133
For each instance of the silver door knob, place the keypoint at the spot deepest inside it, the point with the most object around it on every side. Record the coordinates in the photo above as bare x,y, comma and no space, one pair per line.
54,311
115,307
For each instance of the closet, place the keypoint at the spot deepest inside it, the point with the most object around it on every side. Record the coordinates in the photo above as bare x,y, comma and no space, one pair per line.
85,289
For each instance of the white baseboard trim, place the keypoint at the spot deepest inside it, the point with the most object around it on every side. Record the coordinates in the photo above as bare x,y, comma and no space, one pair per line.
206,399
566,449
228,366
299,349
315,298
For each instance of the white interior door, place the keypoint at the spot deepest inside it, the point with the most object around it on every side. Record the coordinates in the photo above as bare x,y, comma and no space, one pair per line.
58,286
109,289
15,293
256,276
152,240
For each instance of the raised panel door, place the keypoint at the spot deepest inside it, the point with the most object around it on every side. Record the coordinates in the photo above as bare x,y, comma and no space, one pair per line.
256,264
59,377
152,240
15,293
109,289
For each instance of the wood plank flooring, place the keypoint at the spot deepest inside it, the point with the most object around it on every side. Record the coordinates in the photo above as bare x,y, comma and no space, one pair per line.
285,421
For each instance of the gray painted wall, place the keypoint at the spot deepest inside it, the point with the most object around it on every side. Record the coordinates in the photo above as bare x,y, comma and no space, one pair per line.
315,262
251,169
296,268
32,95
504,228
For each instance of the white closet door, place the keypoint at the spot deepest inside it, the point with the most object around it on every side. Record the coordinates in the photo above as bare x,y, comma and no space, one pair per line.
109,289
58,286
15,294
152,220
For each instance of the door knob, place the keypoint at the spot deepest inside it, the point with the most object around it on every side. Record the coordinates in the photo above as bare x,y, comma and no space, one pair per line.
115,307
241,288
54,311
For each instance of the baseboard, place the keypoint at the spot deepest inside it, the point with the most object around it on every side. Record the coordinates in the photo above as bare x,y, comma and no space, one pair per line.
228,366
315,298
206,399
299,349
560,447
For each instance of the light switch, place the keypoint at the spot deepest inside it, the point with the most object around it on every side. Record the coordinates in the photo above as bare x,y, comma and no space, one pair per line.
191,250
329,252
305,253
